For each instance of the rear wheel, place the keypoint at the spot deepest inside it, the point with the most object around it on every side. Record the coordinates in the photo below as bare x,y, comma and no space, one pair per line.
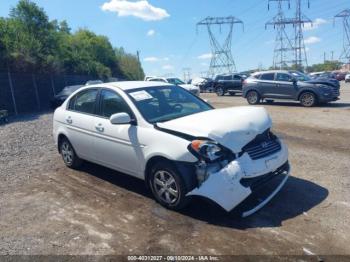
220,91
253,97
167,186
307,99
70,158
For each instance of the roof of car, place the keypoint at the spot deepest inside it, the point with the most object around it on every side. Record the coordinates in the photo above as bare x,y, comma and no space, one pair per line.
127,85
271,71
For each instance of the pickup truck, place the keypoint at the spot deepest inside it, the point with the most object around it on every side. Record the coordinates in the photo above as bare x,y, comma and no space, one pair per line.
230,83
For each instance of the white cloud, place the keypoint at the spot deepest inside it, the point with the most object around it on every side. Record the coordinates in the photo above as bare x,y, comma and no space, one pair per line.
315,24
205,56
312,40
151,59
141,9
167,67
151,32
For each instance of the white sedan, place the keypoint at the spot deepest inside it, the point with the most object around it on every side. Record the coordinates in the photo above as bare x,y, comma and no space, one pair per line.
179,144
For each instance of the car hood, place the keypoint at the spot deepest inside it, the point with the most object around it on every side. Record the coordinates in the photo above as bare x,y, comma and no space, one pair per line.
231,127
321,81
189,87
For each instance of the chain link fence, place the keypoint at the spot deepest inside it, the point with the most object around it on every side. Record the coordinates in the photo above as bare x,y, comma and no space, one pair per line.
25,93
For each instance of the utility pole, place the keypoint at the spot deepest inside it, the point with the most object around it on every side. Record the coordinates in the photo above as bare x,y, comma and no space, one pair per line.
345,16
222,60
324,57
282,42
332,56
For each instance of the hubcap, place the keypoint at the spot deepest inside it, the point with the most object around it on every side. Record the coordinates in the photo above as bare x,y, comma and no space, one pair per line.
307,99
252,97
165,187
220,91
67,153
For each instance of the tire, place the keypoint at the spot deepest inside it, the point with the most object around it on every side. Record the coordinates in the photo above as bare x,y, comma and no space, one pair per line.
167,186
70,158
308,99
253,98
220,91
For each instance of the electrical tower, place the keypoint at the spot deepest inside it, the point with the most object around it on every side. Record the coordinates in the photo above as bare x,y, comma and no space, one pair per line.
345,16
222,60
283,45
187,74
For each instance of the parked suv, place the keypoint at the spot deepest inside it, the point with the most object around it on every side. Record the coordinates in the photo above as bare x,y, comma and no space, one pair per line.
231,83
285,85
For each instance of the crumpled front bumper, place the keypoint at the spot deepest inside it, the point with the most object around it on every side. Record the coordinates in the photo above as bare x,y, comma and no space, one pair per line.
234,183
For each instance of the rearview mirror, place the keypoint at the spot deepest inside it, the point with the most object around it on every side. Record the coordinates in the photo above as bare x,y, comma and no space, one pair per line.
120,119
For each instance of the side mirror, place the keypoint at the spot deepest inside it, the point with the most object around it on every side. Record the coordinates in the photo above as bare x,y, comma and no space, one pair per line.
120,119
294,80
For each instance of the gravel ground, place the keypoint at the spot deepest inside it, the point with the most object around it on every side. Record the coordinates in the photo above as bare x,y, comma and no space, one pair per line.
46,208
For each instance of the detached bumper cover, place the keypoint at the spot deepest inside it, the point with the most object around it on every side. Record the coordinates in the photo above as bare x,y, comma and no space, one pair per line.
241,178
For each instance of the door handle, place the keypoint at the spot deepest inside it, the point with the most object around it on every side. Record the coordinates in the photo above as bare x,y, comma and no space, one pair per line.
99,128
69,120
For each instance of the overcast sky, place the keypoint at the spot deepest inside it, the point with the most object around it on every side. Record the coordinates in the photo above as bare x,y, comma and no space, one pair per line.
164,31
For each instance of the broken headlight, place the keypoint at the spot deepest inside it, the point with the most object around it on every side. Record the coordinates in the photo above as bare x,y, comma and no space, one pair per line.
206,150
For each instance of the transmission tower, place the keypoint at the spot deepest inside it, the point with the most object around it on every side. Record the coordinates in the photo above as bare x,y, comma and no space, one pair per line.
299,45
222,60
345,16
283,45
187,74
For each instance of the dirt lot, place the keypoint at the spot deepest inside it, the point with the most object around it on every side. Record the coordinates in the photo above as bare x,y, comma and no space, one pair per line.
46,208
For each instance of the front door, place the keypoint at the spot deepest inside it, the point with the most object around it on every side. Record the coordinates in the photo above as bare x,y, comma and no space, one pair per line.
286,88
116,146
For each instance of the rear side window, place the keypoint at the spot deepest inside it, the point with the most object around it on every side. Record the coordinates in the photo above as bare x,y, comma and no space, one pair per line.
237,77
84,101
267,76
112,103
228,78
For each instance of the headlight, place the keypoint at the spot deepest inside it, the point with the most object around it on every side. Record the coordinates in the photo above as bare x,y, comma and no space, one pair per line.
206,149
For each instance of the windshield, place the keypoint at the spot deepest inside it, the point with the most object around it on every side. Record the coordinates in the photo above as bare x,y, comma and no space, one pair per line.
301,76
160,104
175,81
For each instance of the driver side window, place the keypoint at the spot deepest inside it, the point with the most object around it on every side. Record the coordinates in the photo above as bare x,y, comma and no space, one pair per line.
283,77
112,103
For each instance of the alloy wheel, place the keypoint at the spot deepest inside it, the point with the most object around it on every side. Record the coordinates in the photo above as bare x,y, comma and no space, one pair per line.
165,187
307,99
252,97
67,153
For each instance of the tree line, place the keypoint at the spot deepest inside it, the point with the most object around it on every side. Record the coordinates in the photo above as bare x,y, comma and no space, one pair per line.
30,42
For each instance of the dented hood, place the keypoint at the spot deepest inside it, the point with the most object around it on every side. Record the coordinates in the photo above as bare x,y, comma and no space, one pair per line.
231,127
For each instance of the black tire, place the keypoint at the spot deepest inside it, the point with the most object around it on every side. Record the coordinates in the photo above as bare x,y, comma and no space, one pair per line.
167,186
253,97
220,91
232,93
70,158
308,99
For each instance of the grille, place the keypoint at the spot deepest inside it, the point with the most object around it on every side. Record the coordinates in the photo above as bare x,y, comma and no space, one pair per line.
262,146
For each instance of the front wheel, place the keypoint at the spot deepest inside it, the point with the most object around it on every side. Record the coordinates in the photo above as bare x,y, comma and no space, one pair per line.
307,99
167,186
253,98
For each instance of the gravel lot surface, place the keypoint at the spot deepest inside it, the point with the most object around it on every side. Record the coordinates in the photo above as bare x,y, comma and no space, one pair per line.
46,208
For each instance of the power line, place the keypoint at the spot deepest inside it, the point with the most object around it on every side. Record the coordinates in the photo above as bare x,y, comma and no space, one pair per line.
345,16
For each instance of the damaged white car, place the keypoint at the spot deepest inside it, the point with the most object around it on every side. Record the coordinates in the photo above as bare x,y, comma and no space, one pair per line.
179,144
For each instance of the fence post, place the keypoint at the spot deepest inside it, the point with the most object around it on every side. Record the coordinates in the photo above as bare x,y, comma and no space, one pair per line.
12,92
53,86
36,91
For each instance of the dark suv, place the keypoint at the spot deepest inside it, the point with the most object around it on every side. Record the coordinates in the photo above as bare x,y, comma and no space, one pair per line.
280,84
231,83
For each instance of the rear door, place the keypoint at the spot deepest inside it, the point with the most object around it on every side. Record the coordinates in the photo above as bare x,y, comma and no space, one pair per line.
267,85
78,119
